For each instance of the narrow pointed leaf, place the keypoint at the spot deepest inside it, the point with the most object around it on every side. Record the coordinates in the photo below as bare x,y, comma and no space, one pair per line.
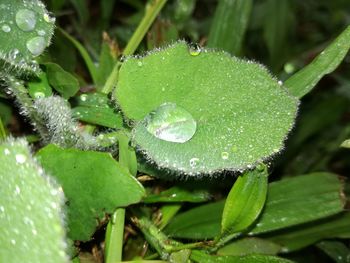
229,25
326,62
299,200
245,201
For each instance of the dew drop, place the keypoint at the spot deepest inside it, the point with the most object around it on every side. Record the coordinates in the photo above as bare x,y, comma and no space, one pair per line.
41,33
139,63
83,97
195,51
49,19
7,151
6,28
36,45
39,94
194,162
26,19
224,155
171,123
20,158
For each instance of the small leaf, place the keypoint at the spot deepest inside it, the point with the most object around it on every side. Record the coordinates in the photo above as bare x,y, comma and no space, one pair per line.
229,25
40,87
178,194
94,184
249,245
245,201
62,81
127,155
306,79
31,215
105,117
232,124
202,222
299,200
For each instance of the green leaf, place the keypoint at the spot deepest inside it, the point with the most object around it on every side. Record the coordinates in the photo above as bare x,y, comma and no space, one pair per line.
26,30
168,211
127,155
105,117
31,216
62,81
229,25
106,62
299,200
295,238
40,87
95,108
202,222
232,124
336,250
94,184
326,62
178,194
276,27
201,257
249,245
245,201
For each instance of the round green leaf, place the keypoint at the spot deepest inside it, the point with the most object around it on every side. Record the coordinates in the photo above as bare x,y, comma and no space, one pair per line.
242,113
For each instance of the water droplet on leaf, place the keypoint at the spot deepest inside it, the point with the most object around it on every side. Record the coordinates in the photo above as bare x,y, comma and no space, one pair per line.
20,158
39,94
195,51
171,123
224,155
36,45
6,28
26,19
194,162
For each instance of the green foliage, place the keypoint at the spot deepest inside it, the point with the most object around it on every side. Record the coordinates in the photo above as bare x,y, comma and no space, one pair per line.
255,104
93,172
180,111
31,215
26,31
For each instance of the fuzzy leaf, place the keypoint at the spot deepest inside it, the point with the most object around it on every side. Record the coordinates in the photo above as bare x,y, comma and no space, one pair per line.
25,32
94,184
242,114
31,216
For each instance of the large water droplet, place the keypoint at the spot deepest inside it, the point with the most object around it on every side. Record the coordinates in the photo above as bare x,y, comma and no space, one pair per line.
26,19
171,123
6,28
36,45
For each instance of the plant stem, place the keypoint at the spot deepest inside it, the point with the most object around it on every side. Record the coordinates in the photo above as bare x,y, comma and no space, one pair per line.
112,79
151,13
2,131
114,237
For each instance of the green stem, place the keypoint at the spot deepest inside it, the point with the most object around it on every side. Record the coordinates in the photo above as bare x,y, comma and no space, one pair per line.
151,13
2,131
112,79
114,237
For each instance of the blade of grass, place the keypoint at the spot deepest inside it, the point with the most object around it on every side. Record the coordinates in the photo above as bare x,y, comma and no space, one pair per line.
2,131
85,55
229,25
326,62
152,11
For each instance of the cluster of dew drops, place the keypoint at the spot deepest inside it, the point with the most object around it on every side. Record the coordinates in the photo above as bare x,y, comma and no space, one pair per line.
27,20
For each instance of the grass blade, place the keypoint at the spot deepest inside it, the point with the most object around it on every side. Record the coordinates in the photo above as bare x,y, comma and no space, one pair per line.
326,62
229,25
